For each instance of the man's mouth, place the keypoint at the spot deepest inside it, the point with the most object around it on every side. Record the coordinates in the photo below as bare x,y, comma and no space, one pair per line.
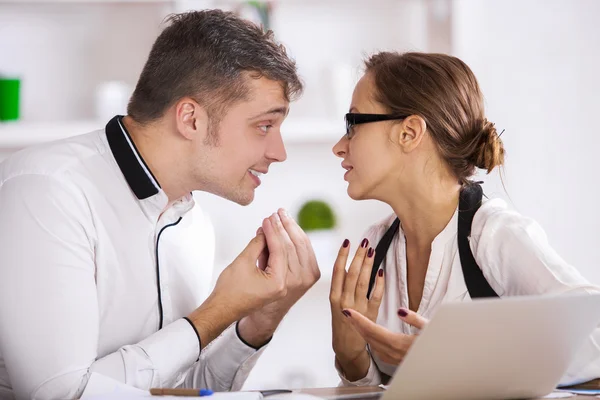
256,173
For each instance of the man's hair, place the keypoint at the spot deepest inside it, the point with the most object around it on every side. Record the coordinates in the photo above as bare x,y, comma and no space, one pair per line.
208,55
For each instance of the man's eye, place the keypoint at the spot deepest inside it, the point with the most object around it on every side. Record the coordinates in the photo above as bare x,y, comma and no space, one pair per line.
265,128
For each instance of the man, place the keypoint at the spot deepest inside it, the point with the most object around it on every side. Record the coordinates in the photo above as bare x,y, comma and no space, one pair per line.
104,258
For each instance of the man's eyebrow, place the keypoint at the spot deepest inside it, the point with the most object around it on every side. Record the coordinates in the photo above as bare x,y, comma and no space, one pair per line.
276,110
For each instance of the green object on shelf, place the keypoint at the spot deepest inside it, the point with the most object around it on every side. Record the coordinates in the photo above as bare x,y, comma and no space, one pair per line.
9,99
316,215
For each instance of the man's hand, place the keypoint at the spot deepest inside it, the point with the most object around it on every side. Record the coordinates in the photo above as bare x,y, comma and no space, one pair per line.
303,272
242,287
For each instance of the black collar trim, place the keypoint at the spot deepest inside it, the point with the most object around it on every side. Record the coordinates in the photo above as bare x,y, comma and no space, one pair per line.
130,161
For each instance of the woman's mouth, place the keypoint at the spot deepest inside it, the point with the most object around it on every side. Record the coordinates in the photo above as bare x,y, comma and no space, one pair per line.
348,168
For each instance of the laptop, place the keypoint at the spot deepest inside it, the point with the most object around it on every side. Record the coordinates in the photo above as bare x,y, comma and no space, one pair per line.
509,348
515,347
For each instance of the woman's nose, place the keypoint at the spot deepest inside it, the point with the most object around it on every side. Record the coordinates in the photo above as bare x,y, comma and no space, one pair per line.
339,149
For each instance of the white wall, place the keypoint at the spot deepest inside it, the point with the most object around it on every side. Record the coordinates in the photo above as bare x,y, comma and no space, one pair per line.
537,62
62,51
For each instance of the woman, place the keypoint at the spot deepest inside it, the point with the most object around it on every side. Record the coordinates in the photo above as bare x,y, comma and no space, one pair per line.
416,133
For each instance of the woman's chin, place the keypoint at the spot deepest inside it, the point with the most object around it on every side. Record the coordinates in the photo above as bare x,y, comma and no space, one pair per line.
355,193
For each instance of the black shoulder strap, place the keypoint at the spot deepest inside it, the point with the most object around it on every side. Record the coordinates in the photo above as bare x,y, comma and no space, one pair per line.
381,250
469,203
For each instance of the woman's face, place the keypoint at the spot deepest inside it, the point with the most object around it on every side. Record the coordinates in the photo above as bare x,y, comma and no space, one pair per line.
372,161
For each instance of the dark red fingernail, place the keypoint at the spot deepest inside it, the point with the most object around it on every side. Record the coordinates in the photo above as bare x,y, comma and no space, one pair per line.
346,313
380,272
402,312
370,252
364,243
346,243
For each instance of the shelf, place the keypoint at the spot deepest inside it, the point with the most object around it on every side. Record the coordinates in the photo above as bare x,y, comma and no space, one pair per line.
16,135
24,2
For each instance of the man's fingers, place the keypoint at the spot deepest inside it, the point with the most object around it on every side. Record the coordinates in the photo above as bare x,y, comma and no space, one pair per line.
412,318
296,234
264,255
284,238
307,265
339,272
263,259
277,261
254,249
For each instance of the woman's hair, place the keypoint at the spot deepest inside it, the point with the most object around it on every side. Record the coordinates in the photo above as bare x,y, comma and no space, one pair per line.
444,92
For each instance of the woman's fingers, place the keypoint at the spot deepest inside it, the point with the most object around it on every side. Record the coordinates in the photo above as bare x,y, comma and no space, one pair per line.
396,353
354,272
369,330
362,285
412,318
376,296
339,273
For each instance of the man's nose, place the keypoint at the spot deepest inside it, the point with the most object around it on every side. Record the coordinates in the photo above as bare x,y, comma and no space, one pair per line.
276,149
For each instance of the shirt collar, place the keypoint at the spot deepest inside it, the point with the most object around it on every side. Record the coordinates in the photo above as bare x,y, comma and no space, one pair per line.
135,170
139,177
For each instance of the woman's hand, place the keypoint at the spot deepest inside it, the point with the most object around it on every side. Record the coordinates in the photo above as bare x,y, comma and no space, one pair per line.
390,347
349,291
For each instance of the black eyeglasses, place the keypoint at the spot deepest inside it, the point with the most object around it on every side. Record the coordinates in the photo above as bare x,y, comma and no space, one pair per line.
357,119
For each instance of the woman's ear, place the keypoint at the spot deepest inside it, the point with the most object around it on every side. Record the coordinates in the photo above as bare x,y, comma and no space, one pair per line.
409,132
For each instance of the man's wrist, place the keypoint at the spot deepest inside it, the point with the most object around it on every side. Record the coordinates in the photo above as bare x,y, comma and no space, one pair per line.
211,319
255,334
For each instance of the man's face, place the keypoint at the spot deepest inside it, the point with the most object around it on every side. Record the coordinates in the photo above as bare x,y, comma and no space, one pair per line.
248,139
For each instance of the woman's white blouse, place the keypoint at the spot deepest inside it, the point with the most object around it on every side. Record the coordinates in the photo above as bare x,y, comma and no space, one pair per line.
516,259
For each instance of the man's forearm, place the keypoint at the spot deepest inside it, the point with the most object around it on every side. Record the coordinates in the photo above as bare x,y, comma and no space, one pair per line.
211,319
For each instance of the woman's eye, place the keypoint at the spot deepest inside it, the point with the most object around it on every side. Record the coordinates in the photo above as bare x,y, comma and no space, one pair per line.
350,133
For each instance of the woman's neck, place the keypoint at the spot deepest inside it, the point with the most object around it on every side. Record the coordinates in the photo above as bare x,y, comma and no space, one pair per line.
426,210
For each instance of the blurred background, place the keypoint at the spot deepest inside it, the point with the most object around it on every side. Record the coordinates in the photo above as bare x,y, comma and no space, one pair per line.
70,65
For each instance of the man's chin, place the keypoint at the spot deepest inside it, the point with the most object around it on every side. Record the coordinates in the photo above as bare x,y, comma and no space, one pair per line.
243,199
245,202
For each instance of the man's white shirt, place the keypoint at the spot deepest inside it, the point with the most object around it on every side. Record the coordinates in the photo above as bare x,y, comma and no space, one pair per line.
92,265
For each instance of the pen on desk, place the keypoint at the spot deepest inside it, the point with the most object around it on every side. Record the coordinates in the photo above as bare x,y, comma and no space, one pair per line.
181,392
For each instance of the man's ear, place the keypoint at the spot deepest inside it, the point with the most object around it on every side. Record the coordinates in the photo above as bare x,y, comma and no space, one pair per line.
409,132
191,119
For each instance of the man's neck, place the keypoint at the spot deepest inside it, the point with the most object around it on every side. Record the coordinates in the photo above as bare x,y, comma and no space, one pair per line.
161,155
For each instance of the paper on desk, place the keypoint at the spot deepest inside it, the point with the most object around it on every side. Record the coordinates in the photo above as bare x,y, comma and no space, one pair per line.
558,395
585,392
101,387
